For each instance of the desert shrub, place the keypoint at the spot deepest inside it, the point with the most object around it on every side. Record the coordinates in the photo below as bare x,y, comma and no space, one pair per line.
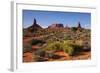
74,28
40,53
35,42
77,49
53,55
27,48
81,45
71,47
60,46
68,48
55,46
40,59
87,46
50,55
79,42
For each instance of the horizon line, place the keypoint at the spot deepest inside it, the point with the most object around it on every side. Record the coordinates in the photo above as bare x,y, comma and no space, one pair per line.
57,23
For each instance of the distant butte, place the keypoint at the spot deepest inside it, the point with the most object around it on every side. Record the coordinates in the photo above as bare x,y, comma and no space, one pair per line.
56,25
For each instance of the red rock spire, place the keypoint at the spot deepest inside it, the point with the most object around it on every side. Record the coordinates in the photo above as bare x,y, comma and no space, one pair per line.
79,25
34,22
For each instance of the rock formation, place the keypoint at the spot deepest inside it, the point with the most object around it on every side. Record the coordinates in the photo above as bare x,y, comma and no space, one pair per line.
56,25
34,26
79,25
79,28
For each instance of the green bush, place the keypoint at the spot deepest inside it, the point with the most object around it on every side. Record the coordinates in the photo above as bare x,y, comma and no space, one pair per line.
58,46
77,48
68,48
54,46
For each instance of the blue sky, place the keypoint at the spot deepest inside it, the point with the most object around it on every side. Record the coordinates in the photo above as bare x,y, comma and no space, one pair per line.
46,18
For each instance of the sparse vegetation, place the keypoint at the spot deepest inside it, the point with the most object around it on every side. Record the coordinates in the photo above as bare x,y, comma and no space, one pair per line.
35,42
50,41
27,48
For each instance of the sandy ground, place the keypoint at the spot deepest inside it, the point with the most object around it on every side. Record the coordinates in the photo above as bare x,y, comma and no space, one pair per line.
28,57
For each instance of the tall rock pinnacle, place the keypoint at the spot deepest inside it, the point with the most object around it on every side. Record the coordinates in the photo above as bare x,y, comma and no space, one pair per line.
34,22
34,27
79,28
79,25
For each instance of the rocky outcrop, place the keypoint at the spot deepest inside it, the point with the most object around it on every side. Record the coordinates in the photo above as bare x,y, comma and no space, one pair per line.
79,26
34,26
56,25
